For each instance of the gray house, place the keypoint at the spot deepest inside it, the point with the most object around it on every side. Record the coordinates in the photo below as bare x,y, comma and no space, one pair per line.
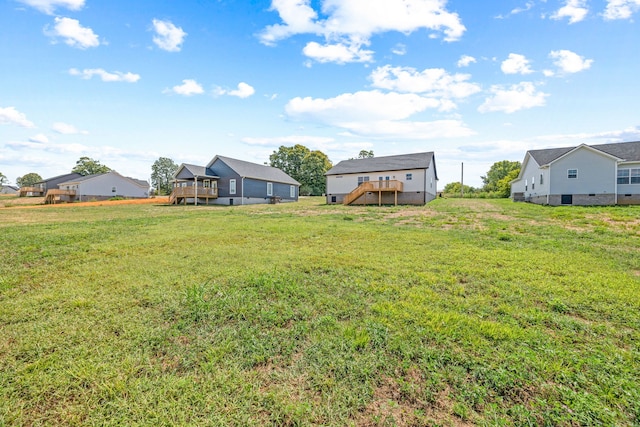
409,179
9,189
40,188
227,181
605,174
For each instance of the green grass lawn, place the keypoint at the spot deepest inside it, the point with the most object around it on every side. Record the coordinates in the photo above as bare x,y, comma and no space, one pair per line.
461,312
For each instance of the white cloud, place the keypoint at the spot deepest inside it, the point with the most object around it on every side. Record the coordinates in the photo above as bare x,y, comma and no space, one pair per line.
514,98
399,49
516,64
465,61
351,23
570,62
621,9
518,10
168,37
74,34
9,115
39,138
187,88
359,106
575,10
115,76
339,53
67,129
376,114
49,6
431,81
313,142
244,90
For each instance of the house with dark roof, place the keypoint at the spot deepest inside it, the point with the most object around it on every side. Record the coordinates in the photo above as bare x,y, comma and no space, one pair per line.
40,188
101,186
409,179
604,174
8,189
227,181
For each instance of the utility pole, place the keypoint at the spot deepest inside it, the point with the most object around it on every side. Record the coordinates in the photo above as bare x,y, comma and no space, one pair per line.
462,179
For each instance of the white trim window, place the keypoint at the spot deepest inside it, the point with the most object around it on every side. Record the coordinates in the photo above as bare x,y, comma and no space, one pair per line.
572,173
362,179
629,176
408,177
541,179
533,182
269,188
292,191
232,186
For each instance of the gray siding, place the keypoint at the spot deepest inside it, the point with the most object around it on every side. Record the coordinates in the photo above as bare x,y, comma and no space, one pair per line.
596,173
226,174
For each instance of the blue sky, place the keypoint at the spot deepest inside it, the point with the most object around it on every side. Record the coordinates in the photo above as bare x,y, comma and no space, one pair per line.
126,82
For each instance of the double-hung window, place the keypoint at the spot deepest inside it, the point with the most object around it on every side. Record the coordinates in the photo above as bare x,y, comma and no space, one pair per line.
623,176
635,176
232,186
409,177
269,188
292,191
572,173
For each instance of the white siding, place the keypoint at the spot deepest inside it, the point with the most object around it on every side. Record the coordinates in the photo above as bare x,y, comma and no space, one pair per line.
596,173
102,186
344,184
628,188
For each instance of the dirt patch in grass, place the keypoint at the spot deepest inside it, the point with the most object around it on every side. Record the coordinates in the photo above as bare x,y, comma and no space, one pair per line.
38,202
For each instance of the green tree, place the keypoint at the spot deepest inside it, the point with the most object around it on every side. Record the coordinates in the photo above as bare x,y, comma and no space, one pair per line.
3,178
87,166
28,180
454,188
504,185
314,165
365,154
305,166
498,171
162,172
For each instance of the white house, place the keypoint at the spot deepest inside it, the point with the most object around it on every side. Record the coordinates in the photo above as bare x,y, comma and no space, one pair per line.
100,187
605,174
409,179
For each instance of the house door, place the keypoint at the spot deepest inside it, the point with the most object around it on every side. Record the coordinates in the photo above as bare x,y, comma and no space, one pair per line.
386,178
566,199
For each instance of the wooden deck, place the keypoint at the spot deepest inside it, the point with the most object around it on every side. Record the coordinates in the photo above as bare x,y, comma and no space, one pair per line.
182,194
31,191
56,196
378,187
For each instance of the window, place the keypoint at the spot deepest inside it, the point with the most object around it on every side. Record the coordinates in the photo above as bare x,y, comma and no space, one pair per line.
541,179
533,182
362,179
409,177
526,185
292,191
232,186
206,183
572,173
269,188
635,176
113,189
623,176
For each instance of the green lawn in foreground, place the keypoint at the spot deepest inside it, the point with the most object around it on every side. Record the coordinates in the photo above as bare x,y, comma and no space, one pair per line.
461,312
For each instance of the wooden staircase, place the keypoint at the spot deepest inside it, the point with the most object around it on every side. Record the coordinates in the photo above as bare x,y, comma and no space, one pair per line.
53,196
385,186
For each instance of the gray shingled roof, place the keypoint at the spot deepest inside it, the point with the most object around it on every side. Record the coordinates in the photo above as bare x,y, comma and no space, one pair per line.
66,177
380,164
139,182
200,171
256,171
629,151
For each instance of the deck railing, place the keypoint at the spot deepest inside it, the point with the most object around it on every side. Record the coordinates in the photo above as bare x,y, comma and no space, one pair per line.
31,190
191,193
373,186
